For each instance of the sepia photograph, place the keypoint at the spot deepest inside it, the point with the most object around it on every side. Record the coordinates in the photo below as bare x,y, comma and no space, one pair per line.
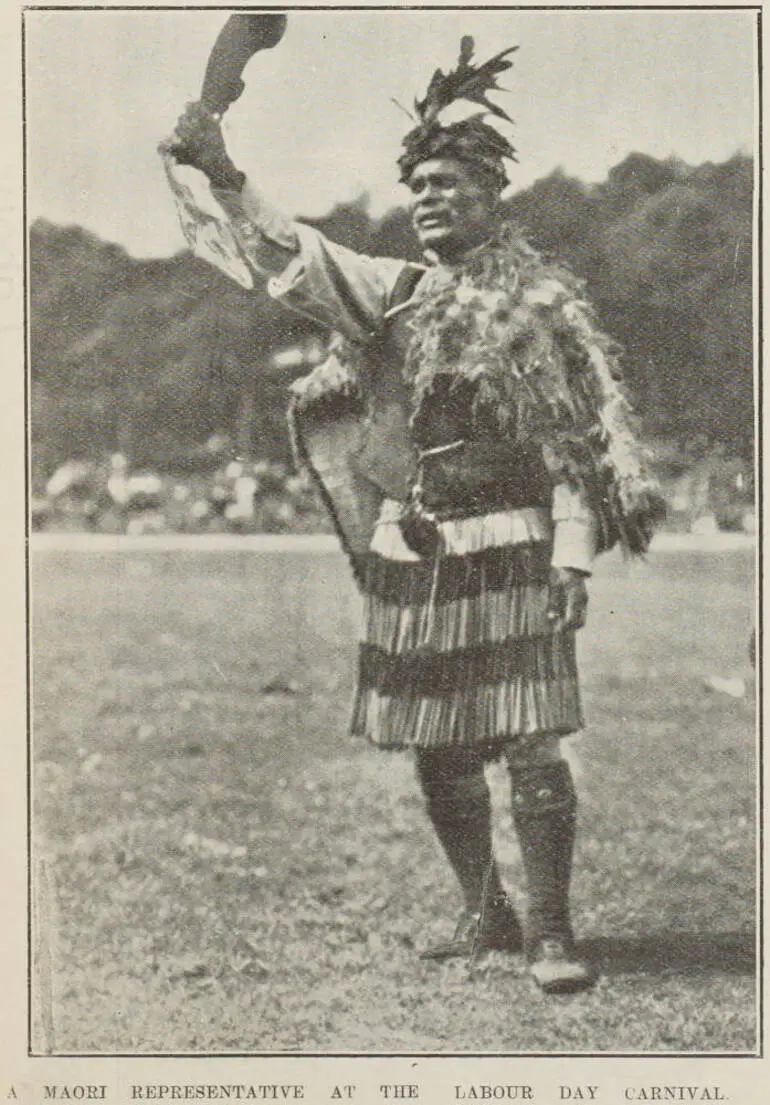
392,468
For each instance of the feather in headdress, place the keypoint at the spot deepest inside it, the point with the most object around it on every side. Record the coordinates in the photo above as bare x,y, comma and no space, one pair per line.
470,139
466,82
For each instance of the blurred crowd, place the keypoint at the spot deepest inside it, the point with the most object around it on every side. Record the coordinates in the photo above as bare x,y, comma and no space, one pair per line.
239,496
219,492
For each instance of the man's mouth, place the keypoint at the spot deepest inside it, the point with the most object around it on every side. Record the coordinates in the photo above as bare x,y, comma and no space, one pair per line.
432,220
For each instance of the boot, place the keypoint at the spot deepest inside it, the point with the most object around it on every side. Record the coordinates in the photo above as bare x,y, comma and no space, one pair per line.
544,814
459,808
496,929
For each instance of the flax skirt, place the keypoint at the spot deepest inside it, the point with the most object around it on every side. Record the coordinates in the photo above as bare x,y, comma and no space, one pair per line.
457,649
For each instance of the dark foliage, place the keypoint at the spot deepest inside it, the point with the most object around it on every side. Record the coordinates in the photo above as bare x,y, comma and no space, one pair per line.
150,358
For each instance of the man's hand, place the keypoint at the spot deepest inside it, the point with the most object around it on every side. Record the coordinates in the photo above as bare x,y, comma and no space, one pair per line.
567,599
197,140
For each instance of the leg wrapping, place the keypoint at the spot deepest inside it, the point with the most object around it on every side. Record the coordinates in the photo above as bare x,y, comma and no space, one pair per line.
458,804
544,814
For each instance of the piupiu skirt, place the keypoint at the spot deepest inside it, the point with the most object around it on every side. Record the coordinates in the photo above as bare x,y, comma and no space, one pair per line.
457,648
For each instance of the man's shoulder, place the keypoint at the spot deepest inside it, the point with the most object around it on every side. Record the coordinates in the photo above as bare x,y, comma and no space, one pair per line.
537,270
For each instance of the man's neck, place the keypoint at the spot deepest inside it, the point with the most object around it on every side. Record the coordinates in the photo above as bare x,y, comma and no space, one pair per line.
452,257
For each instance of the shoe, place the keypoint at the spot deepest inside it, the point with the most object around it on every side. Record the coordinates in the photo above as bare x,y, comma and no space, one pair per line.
500,931
553,966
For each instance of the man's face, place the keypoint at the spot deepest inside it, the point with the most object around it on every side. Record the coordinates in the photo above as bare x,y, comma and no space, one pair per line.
452,209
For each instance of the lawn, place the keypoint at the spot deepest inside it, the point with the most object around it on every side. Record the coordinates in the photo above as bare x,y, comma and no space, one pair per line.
219,869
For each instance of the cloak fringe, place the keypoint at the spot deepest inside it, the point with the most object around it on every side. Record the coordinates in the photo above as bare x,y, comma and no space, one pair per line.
497,569
515,711
462,536
489,618
429,673
459,650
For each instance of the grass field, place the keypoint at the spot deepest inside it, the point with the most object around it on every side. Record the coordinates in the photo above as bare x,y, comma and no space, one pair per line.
219,869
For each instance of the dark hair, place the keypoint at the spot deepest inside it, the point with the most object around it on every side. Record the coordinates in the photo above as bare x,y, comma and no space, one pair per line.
471,141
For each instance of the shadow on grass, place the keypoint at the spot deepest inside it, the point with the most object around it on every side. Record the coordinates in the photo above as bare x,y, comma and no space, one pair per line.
668,950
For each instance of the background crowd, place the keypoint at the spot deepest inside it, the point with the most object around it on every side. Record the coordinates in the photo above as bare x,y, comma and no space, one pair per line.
158,387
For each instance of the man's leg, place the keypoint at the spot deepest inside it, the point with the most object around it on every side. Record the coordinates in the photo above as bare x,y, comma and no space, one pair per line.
459,807
545,814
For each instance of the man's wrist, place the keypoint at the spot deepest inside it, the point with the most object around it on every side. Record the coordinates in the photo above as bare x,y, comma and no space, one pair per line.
226,177
567,574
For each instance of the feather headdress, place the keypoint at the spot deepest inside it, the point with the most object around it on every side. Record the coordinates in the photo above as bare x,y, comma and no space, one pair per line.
471,139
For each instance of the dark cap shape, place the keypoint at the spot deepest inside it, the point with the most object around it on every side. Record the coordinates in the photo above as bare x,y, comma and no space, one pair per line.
470,140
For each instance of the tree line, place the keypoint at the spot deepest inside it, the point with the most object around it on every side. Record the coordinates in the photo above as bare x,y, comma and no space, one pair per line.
149,358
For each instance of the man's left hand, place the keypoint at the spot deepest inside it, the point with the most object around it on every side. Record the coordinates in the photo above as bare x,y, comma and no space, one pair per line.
567,599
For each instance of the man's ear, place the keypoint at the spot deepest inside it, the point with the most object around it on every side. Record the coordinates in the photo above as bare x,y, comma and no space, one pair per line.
495,203
493,195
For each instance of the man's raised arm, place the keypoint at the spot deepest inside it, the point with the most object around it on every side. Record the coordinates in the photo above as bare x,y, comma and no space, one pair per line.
340,289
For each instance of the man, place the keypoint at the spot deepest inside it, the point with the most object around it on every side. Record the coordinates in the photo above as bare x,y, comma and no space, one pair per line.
470,439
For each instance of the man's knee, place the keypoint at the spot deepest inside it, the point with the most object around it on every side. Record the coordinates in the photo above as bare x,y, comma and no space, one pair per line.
524,755
541,779
447,774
